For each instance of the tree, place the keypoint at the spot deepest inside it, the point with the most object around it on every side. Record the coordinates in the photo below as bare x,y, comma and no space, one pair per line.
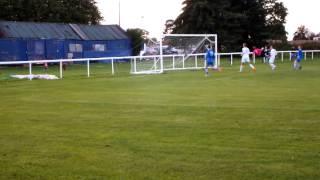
302,33
137,37
71,11
169,26
312,35
235,21
276,14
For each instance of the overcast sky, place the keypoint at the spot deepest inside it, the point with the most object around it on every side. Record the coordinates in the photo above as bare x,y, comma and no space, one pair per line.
152,14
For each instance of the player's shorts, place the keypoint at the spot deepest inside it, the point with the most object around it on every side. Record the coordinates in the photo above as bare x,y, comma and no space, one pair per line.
271,60
210,64
245,59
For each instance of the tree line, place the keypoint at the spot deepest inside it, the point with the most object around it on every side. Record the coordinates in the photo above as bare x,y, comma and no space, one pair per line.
235,21
64,11
303,33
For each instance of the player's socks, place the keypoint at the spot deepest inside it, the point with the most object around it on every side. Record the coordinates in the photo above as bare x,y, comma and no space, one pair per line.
241,68
207,71
296,66
253,68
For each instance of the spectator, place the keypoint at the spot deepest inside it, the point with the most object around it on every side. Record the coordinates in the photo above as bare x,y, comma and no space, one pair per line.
256,51
266,53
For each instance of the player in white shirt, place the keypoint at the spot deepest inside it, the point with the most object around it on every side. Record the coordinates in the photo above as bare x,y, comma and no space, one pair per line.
273,54
246,58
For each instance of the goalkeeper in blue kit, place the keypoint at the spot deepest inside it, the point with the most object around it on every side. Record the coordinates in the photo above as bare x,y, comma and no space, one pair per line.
210,60
299,57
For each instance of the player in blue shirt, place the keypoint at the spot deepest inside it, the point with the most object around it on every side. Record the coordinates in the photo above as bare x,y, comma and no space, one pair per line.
210,60
299,57
293,54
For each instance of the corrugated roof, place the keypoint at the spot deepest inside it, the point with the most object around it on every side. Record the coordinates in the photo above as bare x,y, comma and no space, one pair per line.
9,29
103,32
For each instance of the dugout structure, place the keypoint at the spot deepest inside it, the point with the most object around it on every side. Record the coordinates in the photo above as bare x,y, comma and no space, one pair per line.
28,41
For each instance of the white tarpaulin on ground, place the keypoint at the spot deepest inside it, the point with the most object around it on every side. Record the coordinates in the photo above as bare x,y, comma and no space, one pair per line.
36,76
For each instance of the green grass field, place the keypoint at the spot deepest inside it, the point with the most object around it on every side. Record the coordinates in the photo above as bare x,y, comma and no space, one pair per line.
177,125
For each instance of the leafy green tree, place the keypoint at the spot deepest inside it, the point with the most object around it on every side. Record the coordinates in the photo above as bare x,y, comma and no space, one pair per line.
137,37
71,11
276,14
235,21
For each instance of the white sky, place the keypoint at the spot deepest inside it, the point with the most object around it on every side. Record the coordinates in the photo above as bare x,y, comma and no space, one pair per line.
152,14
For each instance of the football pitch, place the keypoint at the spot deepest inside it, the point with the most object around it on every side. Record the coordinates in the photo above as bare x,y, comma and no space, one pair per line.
177,125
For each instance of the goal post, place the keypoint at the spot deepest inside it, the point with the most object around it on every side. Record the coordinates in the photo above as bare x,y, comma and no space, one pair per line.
174,52
149,60
188,50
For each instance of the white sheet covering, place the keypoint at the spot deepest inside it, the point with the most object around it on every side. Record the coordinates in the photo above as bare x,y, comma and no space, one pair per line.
36,76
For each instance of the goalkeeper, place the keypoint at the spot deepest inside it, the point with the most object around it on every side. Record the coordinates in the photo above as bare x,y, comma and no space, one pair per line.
299,57
210,60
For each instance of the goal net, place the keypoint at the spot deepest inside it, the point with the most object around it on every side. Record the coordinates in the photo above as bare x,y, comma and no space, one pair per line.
174,52
149,61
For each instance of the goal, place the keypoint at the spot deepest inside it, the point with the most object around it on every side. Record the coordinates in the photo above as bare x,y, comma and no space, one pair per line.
174,52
